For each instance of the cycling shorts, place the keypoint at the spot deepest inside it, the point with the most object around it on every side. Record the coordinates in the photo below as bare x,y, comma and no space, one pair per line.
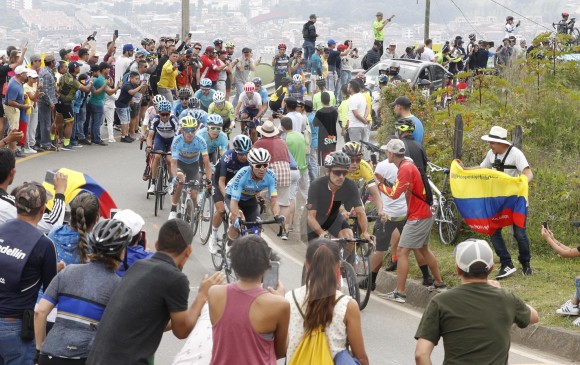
250,208
191,171
162,144
334,227
217,194
251,112
383,232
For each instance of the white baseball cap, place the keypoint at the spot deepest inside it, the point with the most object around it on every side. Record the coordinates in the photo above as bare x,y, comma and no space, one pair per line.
20,70
131,219
473,251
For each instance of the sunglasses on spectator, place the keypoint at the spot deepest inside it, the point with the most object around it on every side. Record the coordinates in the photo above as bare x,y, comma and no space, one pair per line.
339,172
261,166
355,159
215,128
198,48
164,114
189,130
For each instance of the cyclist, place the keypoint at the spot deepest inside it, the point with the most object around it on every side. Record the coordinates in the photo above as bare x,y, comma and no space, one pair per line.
360,169
181,104
263,94
297,90
193,110
185,151
205,94
149,114
223,108
163,128
214,137
249,107
229,164
243,188
327,194
565,26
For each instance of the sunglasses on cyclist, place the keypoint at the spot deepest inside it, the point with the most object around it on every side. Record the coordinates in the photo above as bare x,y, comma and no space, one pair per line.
355,159
164,114
182,99
339,172
214,128
189,130
261,166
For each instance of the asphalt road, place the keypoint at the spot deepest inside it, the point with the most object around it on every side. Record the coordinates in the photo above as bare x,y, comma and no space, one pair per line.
388,327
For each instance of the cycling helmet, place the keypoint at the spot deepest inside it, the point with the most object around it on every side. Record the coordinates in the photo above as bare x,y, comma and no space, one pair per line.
257,81
164,106
472,36
188,122
184,93
217,41
320,46
193,103
242,143
258,156
215,119
352,149
249,87
219,97
297,79
337,159
383,67
565,15
230,45
405,125
282,45
158,98
198,114
205,82
145,41
394,68
509,17
109,237
383,79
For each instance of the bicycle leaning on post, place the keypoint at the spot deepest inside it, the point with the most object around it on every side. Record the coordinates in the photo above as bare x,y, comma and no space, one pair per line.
447,216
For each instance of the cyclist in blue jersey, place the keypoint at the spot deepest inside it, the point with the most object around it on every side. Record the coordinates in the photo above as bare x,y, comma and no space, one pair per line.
229,164
185,152
161,132
205,94
241,191
199,115
263,94
181,104
297,90
214,137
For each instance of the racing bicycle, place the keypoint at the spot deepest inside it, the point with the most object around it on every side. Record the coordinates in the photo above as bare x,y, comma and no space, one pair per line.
447,216
161,182
186,210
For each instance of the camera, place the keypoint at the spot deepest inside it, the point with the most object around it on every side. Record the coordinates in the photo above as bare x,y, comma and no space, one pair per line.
497,165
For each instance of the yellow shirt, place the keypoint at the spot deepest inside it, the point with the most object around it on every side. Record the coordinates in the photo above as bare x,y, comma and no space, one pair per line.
365,171
27,100
369,106
379,34
168,76
343,113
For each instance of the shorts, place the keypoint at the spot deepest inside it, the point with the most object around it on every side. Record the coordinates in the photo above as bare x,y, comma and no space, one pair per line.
294,179
217,194
135,109
124,115
251,112
383,232
416,233
250,208
190,170
66,111
283,196
145,100
162,144
334,227
13,116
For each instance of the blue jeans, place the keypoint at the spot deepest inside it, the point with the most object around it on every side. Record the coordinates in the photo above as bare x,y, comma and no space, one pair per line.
331,81
312,163
523,246
345,77
239,90
14,351
97,113
44,125
78,130
308,52
578,288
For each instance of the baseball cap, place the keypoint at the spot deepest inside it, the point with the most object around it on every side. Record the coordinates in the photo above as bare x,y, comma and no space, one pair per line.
131,219
64,51
33,74
291,102
34,57
379,13
209,49
246,50
141,51
189,52
341,47
20,70
72,65
395,146
76,48
128,47
473,251
331,42
312,16
48,58
402,101
30,196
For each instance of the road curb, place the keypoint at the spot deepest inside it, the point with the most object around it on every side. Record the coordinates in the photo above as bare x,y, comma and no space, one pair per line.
555,341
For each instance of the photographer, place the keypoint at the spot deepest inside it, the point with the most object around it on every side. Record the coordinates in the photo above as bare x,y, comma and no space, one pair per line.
458,54
570,308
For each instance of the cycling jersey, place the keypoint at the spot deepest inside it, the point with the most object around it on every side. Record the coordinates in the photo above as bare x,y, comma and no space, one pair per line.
212,144
229,165
254,103
178,108
264,95
203,115
244,187
365,171
165,130
205,100
327,204
226,112
297,92
188,152
281,65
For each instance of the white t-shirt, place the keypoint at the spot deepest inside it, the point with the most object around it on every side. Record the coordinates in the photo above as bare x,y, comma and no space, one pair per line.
514,158
397,207
121,66
255,103
297,121
356,102
428,55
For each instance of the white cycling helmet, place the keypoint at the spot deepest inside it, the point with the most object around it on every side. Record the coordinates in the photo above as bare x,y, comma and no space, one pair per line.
258,156
158,98
219,97
297,79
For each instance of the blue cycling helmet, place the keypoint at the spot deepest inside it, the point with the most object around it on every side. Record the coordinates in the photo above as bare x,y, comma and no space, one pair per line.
198,114
205,82
193,103
383,79
164,106
242,143
215,119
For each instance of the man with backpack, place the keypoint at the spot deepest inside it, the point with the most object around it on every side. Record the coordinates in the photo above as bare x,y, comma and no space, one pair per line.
309,35
372,57
415,235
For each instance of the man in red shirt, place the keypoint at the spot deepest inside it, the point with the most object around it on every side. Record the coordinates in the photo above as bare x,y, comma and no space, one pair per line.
415,235
210,67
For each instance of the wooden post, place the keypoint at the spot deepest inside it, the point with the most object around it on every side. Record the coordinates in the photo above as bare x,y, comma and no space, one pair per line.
518,136
458,137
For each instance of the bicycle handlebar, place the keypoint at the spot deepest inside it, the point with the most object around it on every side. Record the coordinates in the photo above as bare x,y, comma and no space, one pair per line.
434,167
160,153
371,147
259,223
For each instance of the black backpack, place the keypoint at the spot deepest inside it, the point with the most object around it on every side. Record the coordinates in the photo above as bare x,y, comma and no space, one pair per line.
363,62
305,31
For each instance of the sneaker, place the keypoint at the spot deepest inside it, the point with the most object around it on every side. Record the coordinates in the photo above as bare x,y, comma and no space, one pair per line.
172,215
568,309
284,236
364,284
126,139
212,245
505,271
112,140
394,296
67,148
527,270
392,266
576,322
101,143
437,287
49,148
37,148
151,189
28,151
85,141
428,281
130,138
18,153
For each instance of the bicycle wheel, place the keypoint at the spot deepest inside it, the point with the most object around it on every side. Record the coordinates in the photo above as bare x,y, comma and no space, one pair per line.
450,222
229,271
159,191
205,216
218,258
189,215
349,279
362,268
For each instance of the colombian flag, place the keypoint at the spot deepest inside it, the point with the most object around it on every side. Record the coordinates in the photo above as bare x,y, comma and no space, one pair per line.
489,199
78,182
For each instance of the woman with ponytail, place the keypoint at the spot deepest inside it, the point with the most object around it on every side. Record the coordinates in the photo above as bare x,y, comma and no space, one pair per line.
323,304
